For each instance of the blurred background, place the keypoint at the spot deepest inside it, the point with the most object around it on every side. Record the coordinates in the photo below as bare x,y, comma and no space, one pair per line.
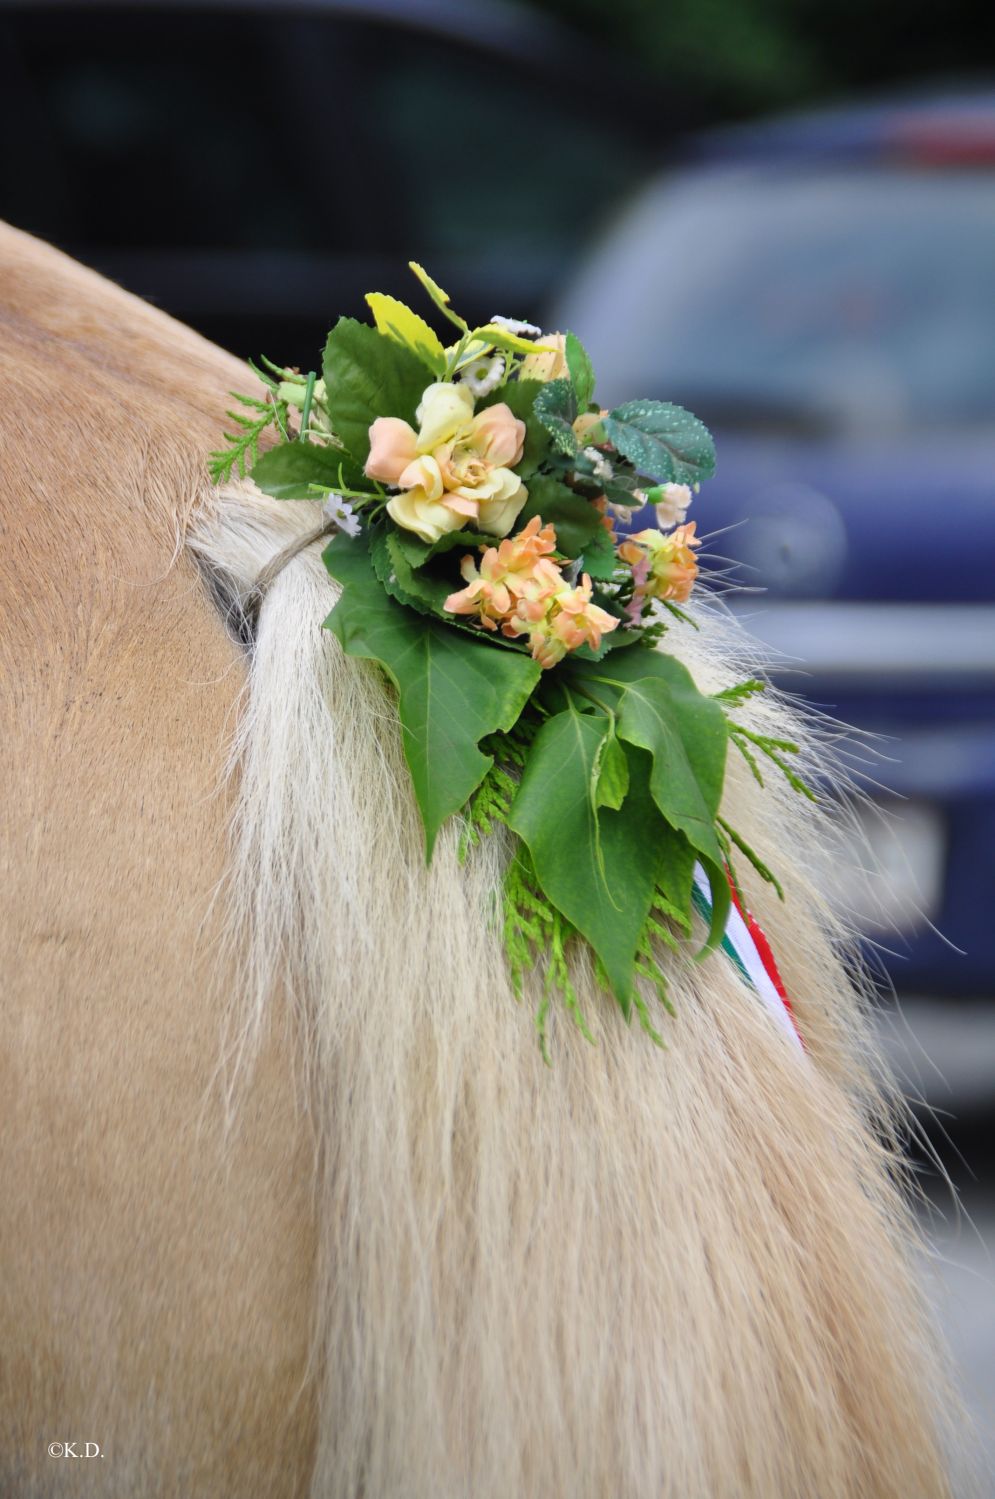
780,213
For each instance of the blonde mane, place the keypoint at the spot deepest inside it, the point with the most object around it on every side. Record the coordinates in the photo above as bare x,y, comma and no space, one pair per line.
690,1273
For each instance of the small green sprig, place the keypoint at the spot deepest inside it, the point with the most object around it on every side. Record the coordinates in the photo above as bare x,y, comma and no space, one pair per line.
242,450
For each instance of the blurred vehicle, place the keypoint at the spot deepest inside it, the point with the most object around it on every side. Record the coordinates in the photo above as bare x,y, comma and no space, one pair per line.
821,291
255,168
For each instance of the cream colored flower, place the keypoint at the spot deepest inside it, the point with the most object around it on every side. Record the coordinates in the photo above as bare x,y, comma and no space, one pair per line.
671,501
456,468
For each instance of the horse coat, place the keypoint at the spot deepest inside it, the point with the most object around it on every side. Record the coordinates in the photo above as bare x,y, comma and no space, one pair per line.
291,1204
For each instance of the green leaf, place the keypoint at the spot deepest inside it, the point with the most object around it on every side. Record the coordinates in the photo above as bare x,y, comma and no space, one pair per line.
663,441
599,555
418,552
581,371
286,471
366,376
418,590
596,866
519,396
574,518
452,690
395,320
660,710
612,773
556,408
439,297
497,337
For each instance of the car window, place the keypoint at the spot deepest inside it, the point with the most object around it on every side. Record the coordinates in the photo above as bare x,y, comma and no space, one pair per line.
858,298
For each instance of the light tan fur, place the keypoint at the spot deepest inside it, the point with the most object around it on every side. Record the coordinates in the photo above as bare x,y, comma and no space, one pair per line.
418,1263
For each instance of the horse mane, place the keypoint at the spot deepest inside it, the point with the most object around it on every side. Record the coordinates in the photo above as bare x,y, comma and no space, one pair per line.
681,1273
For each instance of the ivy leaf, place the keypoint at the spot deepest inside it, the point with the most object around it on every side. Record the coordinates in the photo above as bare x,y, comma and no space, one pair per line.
663,441
574,518
452,690
596,866
395,320
556,408
286,471
366,376
519,396
581,371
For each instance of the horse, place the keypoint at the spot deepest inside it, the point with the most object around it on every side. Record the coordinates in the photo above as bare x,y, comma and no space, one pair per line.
292,1203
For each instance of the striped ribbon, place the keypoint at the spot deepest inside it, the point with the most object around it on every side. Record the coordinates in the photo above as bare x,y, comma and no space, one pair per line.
744,942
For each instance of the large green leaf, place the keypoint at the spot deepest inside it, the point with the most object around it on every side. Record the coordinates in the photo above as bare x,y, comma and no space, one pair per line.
663,441
287,471
660,710
574,518
452,690
367,375
597,866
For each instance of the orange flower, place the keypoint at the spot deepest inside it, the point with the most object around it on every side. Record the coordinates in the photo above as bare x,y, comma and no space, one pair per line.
516,569
664,567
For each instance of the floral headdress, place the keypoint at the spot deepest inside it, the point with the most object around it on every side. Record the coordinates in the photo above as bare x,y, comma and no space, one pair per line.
475,490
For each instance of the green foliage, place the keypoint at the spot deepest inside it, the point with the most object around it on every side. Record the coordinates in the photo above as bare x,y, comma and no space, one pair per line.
662,441
740,691
581,371
242,450
599,554
575,519
419,590
366,376
775,751
452,689
288,471
556,408
732,837
595,865
660,710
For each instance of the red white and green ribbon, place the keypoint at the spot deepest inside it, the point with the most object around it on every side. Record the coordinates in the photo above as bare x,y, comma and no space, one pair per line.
746,945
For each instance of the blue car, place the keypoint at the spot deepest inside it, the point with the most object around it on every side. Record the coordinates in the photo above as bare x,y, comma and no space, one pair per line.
821,291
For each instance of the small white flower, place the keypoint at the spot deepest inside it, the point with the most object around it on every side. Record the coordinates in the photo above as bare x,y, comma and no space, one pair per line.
672,501
602,468
336,509
513,325
483,375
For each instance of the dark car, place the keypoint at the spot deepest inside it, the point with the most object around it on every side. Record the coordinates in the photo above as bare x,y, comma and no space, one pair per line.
821,291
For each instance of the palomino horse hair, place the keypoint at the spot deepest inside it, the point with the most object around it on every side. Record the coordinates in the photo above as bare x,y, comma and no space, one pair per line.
291,1203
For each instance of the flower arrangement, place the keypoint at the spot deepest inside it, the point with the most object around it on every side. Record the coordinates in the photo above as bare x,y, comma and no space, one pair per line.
475,488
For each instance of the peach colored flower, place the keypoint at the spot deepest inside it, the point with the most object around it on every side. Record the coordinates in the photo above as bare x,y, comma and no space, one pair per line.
516,569
664,567
456,468
560,620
